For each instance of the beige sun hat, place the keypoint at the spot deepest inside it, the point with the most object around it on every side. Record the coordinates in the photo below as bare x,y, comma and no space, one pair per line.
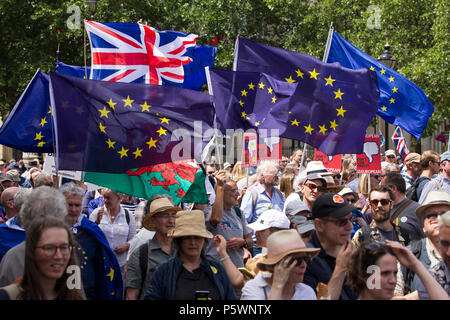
433,198
190,223
158,205
283,243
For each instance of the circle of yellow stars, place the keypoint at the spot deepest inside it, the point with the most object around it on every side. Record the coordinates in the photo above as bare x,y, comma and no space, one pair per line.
122,151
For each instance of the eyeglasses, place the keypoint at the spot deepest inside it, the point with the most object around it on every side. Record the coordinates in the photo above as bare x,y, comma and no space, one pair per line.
376,176
210,172
350,200
434,215
340,222
300,260
314,187
50,249
384,202
337,176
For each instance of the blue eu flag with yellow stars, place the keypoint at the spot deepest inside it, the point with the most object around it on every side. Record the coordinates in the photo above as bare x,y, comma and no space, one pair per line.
401,103
28,127
112,127
324,105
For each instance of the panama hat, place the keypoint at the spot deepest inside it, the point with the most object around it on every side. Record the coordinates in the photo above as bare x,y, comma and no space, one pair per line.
159,205
282,243
433,198
190,223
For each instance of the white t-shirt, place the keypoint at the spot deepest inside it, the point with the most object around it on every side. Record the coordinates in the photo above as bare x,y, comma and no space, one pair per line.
259,289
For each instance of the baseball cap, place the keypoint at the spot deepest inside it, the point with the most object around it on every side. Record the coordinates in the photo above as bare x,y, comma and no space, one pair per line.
389,152
295,207
331,205
445,156
303,224
412,157
270,218
314,176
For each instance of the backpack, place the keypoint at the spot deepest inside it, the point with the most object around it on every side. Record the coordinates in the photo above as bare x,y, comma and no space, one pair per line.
143,262
411,193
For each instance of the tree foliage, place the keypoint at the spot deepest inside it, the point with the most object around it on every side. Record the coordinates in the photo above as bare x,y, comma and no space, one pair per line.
417,31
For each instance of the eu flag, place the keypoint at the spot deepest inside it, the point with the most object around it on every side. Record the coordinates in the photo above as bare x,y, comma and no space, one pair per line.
112,127
401,103
29,125
74,71
322,104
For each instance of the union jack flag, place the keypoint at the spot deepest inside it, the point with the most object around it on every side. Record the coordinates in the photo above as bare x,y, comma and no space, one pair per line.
400,143
133,52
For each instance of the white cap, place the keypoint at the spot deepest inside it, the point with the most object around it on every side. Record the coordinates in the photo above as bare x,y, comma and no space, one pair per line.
270,218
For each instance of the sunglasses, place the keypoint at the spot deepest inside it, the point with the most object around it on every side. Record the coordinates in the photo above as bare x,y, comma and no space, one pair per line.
337,176
434,215
376,176
314,187
384,202
300,260
340,222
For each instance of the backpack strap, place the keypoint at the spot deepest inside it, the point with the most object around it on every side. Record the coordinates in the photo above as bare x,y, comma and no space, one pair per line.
143,262
14,291
127,216
238,211
403,207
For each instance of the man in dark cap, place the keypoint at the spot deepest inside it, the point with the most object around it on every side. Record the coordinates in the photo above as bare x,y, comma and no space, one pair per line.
333,222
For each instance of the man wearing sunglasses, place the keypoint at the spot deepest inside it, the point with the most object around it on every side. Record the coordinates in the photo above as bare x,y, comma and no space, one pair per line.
333,223
381,227
427,250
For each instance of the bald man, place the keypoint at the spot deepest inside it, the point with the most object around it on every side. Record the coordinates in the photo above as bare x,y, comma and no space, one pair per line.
7,201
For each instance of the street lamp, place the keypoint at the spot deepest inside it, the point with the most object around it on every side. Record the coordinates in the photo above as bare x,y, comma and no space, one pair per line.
388,59
92,4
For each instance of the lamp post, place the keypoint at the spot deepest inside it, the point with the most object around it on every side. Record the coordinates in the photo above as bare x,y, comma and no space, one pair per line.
388,59
92,5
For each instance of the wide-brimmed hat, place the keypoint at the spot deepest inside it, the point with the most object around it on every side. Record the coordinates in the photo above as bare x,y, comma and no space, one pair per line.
433,198
190,223
347,190
282,243
317,167
268,219
159,205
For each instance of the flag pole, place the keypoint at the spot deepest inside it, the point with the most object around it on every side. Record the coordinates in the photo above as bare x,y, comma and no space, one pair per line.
84,44
218,153
328,44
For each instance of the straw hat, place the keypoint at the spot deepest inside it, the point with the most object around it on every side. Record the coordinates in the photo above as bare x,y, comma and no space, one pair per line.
282,243
433,198
159,205
190,223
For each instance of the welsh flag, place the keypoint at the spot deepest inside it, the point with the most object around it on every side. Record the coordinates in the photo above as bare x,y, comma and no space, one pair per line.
184,181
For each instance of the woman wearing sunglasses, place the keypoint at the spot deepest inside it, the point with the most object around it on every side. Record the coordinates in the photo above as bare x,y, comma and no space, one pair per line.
284,268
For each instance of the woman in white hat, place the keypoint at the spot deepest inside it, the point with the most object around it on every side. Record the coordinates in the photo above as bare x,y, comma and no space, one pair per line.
189,274
287,257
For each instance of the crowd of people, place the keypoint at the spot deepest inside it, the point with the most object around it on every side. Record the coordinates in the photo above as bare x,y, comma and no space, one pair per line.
287,230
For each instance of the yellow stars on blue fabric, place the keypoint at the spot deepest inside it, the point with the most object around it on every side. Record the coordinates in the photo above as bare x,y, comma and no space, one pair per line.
43,128
109,110
384,75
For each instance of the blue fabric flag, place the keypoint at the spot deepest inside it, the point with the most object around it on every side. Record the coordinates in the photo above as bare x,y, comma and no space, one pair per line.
74,71
401,103
133,52
29,125
112,127
324,105
111,265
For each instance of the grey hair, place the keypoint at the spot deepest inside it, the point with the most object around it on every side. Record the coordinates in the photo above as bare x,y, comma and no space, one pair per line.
21,195
41,179
71,189
265,167
444,221
389,167
43,201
